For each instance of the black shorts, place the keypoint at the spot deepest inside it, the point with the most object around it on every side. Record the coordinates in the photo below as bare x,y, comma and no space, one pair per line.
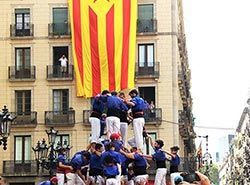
173,169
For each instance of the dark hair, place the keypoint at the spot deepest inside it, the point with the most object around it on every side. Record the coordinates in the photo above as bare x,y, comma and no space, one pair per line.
108,160
133,91
175,148
121,93
98,146
160,142
86,154
114,93
109,146
190,177
104,92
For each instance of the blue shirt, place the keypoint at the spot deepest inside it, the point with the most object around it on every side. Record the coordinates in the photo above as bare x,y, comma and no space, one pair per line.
78,161
115,155
175,161
45,183
98,104
113,102
139,160
95,162
109,171
118,145
159,155
140,104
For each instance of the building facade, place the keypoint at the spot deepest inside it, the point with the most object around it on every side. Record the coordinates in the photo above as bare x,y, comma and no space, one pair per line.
35,34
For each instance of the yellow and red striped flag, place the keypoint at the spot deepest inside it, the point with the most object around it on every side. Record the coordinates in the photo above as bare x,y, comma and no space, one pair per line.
103,44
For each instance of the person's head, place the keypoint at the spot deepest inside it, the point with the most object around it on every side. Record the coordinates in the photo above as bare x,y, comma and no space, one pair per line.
105,92
93,143
122,95
158,143
178,179
114,93
134,149
174,149
115,136
110,146
53,180
99,147
133,93
86,155
63,56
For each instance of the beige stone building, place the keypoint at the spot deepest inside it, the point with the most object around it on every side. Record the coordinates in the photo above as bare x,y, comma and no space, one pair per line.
33,36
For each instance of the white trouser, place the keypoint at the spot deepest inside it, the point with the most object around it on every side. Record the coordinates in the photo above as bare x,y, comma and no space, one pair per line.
130,182
141,179
160,178
74,179
124,131
60,178
95,128
112,181
137,140
98,180
113,125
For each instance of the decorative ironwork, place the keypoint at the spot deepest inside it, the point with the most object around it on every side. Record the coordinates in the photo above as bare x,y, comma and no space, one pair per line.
54,72
22,73
62,118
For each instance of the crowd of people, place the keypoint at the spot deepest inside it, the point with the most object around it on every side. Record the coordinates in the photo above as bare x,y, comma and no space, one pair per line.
109,160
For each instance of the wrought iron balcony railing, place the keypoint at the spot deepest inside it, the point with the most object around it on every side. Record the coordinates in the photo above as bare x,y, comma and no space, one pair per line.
60,118
22,73
27,31
147,26
145,70
59,29
55,72
25,119
19,168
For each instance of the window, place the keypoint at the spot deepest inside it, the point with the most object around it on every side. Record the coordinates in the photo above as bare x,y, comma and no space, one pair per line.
146,55
147,148
23,102
145,11
22,58
148,93
22,148
61,100
61,139
60,21
22,21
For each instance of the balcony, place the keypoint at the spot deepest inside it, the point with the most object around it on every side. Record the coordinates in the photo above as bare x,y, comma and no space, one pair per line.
54,72
146,26
25,33
57,30
143,70
19,168
24,119
153,116
60,118
26,73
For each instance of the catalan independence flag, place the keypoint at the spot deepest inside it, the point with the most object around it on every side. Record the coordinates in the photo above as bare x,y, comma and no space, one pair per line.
103,43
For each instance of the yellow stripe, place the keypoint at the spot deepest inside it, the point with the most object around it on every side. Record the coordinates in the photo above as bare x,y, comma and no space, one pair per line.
86,48
79,86
118,22
132,44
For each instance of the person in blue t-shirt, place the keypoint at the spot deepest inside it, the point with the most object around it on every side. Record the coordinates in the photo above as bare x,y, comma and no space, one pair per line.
140,165
52,181
95,165
175,159
114,106
138,107
79,160
160,158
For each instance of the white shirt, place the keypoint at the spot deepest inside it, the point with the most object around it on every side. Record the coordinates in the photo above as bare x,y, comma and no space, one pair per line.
63,61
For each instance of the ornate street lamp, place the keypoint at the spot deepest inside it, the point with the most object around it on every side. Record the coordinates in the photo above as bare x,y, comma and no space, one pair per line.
5,124
46,154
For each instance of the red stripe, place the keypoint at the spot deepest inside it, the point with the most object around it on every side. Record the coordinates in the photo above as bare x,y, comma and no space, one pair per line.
125,49
110,47
78,35
95,60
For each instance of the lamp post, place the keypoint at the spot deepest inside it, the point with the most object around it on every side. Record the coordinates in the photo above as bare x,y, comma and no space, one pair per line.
46,154
5,124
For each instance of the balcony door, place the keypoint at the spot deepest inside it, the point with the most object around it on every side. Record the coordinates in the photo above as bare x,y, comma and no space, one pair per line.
61,100
146,59
23,67
60,21
22,21
22,153
145,18
58,51
23,102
